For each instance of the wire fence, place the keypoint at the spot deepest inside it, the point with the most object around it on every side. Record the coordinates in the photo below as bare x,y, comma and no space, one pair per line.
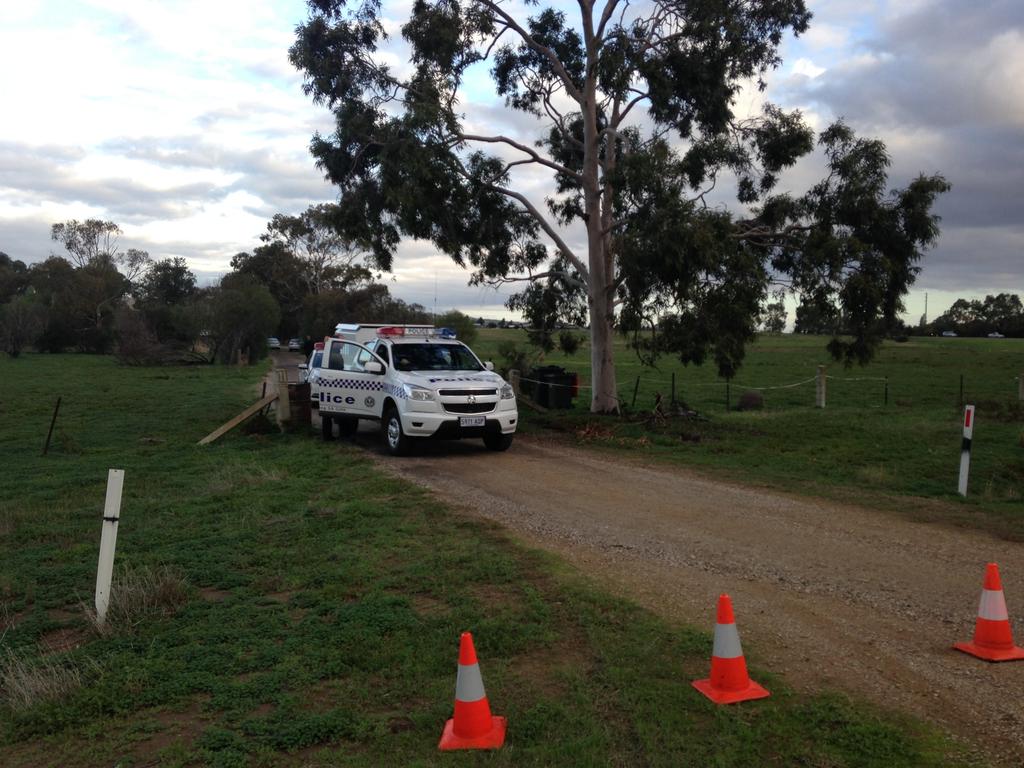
905,390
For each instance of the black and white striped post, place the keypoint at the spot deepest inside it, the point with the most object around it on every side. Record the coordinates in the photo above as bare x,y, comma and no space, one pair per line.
965,449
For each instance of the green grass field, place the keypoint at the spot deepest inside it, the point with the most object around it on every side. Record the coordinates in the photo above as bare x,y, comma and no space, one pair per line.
318,606
903,455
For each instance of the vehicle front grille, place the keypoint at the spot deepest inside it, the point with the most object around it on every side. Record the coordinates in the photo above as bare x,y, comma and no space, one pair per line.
465,392
469,407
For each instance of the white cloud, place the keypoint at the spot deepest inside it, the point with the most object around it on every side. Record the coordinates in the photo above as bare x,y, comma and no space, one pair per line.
807,68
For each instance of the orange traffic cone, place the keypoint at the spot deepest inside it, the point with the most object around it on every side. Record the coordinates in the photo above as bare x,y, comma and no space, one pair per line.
993,639
473,727
729,682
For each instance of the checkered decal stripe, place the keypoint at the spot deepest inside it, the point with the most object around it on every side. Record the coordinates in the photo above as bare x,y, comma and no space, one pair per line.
476,379
371,386
358,384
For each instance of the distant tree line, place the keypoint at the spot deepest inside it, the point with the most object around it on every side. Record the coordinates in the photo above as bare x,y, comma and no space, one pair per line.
95,297
1002,313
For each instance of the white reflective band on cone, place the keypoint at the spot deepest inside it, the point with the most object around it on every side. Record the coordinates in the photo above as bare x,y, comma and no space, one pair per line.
992,606
727,642
469,686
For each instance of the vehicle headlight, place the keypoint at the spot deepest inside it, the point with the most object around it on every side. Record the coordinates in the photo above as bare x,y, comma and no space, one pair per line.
418,393
507,393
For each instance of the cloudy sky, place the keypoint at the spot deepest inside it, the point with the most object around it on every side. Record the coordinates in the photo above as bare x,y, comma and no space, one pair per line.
183,121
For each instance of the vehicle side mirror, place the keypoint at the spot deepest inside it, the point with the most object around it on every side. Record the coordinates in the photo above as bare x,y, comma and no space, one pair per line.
373,366
303,367
489,365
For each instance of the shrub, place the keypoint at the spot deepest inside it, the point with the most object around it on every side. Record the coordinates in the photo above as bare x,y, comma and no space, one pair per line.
513,358
569,342
752,400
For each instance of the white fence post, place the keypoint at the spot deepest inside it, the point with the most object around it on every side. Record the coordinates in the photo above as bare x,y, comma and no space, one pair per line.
820,387
108,542
965,448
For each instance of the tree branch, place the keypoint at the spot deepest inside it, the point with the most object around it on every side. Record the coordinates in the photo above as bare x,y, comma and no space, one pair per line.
532,278
525,149
543,50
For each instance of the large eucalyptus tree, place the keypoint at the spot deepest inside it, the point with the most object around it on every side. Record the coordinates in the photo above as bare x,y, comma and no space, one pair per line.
636,120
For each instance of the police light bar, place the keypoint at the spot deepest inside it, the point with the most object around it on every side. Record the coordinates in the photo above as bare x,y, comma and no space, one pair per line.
401,330
319,345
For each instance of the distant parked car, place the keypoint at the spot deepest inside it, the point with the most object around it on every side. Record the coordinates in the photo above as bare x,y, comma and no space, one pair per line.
996,335
274,343
310,369
295,345
949,333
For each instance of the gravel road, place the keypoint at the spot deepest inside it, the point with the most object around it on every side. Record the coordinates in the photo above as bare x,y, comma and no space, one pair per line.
829,595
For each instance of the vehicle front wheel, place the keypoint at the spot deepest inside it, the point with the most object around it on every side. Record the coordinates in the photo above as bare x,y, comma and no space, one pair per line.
326,427
496,441
395,440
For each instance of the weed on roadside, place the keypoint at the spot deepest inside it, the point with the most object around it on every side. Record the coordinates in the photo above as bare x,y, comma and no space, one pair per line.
25,683
139,592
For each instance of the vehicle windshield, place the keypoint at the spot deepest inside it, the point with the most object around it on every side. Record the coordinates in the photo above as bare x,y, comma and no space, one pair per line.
434,357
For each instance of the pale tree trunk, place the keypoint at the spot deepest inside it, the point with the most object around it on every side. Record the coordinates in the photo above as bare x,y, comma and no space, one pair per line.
604,397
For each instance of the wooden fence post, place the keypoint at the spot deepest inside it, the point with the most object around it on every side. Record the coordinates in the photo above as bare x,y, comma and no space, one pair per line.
820,387
284,406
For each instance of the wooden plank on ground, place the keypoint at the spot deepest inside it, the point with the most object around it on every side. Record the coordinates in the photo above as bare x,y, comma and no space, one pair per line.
225,428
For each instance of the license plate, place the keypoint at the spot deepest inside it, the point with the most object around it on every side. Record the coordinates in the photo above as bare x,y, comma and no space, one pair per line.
472,421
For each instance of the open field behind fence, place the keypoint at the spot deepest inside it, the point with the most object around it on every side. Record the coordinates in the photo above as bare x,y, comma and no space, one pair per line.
305,610
858,446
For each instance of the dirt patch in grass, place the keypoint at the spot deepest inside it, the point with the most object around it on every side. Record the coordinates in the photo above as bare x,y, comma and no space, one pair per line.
67,613
322,695
283,597
497,596
429,607
400,724
177,728
548,671
63,639
211,595
263,709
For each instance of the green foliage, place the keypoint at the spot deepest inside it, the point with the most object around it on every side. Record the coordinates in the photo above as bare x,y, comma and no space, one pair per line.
569,342
463,326
242,314
513,358
14,277
169,281
774,320
22,320
1003,313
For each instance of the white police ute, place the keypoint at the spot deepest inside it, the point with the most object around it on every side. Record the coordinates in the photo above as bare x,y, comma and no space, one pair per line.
417,381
